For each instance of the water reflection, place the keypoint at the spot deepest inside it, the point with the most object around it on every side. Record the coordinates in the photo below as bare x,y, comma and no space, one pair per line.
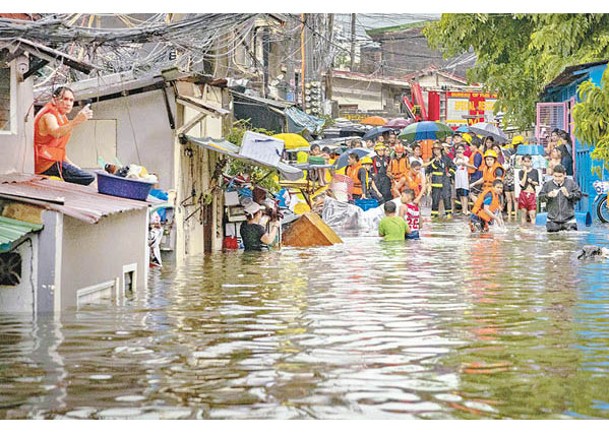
450,326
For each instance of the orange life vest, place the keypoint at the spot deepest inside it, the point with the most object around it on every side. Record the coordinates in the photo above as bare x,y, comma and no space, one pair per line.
426,149
414,182
353,173
49,149
471,162
399,167
478,208
490,174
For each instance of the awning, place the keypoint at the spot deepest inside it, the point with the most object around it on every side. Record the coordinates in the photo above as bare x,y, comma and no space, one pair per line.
299,120
12,230
225,147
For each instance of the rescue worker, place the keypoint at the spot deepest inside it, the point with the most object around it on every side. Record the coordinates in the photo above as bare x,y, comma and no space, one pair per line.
371,187
487,207
476,162
380,168
398,168
415,181
355,171
491,171
441,169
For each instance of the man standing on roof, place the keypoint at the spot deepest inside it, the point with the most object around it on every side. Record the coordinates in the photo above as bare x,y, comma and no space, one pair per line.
52,131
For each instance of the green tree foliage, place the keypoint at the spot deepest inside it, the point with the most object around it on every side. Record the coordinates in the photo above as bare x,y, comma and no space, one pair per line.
591,117
519,54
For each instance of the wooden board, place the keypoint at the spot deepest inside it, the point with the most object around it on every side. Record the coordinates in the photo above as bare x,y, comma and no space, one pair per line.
310,230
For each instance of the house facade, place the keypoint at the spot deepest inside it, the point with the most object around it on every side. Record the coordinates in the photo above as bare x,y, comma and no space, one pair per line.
358,92
554,111
52,257
140,121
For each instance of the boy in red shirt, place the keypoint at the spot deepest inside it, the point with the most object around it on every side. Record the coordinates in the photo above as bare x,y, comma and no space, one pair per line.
411,213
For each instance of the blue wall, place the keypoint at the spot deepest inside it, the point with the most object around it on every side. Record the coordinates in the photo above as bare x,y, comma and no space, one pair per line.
584,164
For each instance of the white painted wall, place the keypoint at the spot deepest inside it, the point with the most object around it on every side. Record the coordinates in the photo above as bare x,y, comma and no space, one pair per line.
142,134
367,95
193,172
17,146
21,298
94,254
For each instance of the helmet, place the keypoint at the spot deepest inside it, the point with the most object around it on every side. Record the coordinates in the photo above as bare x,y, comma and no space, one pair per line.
399,148
490,153
467,138
379,146
517,140
366,160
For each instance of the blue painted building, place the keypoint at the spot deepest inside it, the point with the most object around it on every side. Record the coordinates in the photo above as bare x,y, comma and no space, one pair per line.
563,89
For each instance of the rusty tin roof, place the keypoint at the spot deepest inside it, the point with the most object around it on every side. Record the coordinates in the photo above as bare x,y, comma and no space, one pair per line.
80,202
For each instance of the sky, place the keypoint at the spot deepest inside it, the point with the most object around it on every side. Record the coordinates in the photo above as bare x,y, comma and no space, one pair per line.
309,6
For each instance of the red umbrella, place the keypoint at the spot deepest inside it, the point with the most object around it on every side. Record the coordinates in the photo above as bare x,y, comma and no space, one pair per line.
398,123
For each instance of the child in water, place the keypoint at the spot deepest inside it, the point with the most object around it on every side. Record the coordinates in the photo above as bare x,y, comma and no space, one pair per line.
392,227
409,211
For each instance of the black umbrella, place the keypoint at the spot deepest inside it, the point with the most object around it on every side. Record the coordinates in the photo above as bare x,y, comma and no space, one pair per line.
375,132
343,159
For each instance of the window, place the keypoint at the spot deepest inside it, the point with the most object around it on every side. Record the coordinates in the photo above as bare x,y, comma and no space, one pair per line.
10,268
5,93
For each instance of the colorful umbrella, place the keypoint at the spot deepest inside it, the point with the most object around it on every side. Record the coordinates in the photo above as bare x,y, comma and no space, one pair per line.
375,132
399,123
488,129
463,129
425,130
343,159
293,141
374,120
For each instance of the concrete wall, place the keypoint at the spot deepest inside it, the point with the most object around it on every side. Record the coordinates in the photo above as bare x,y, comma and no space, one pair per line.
143,135
103,250
437,81
21,298
17,145
49,269
366,95
195,167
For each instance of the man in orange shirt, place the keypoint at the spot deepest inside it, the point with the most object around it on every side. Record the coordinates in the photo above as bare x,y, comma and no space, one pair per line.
52,131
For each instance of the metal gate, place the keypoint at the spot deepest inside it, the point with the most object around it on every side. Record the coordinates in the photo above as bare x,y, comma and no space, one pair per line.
549,117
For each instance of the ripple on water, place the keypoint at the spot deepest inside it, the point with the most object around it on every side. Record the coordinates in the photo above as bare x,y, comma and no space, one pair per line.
440,329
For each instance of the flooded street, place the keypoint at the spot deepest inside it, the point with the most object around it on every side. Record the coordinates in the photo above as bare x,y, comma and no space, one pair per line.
453,326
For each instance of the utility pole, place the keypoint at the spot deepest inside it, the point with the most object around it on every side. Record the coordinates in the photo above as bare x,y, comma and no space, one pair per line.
330,61
266,48
352,41
303,55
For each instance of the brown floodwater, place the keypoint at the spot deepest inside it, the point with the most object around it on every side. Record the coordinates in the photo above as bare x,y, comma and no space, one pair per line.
454,326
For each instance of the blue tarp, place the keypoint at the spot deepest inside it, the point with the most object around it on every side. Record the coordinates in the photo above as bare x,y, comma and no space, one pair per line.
298,121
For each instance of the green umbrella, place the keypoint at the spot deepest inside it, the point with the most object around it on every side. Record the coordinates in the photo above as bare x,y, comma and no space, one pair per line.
425,130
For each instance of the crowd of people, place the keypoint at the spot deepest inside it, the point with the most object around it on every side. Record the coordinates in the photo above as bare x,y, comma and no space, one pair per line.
463,174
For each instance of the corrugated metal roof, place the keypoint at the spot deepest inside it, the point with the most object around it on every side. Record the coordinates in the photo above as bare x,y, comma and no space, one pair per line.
572,73
80,202
12,230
